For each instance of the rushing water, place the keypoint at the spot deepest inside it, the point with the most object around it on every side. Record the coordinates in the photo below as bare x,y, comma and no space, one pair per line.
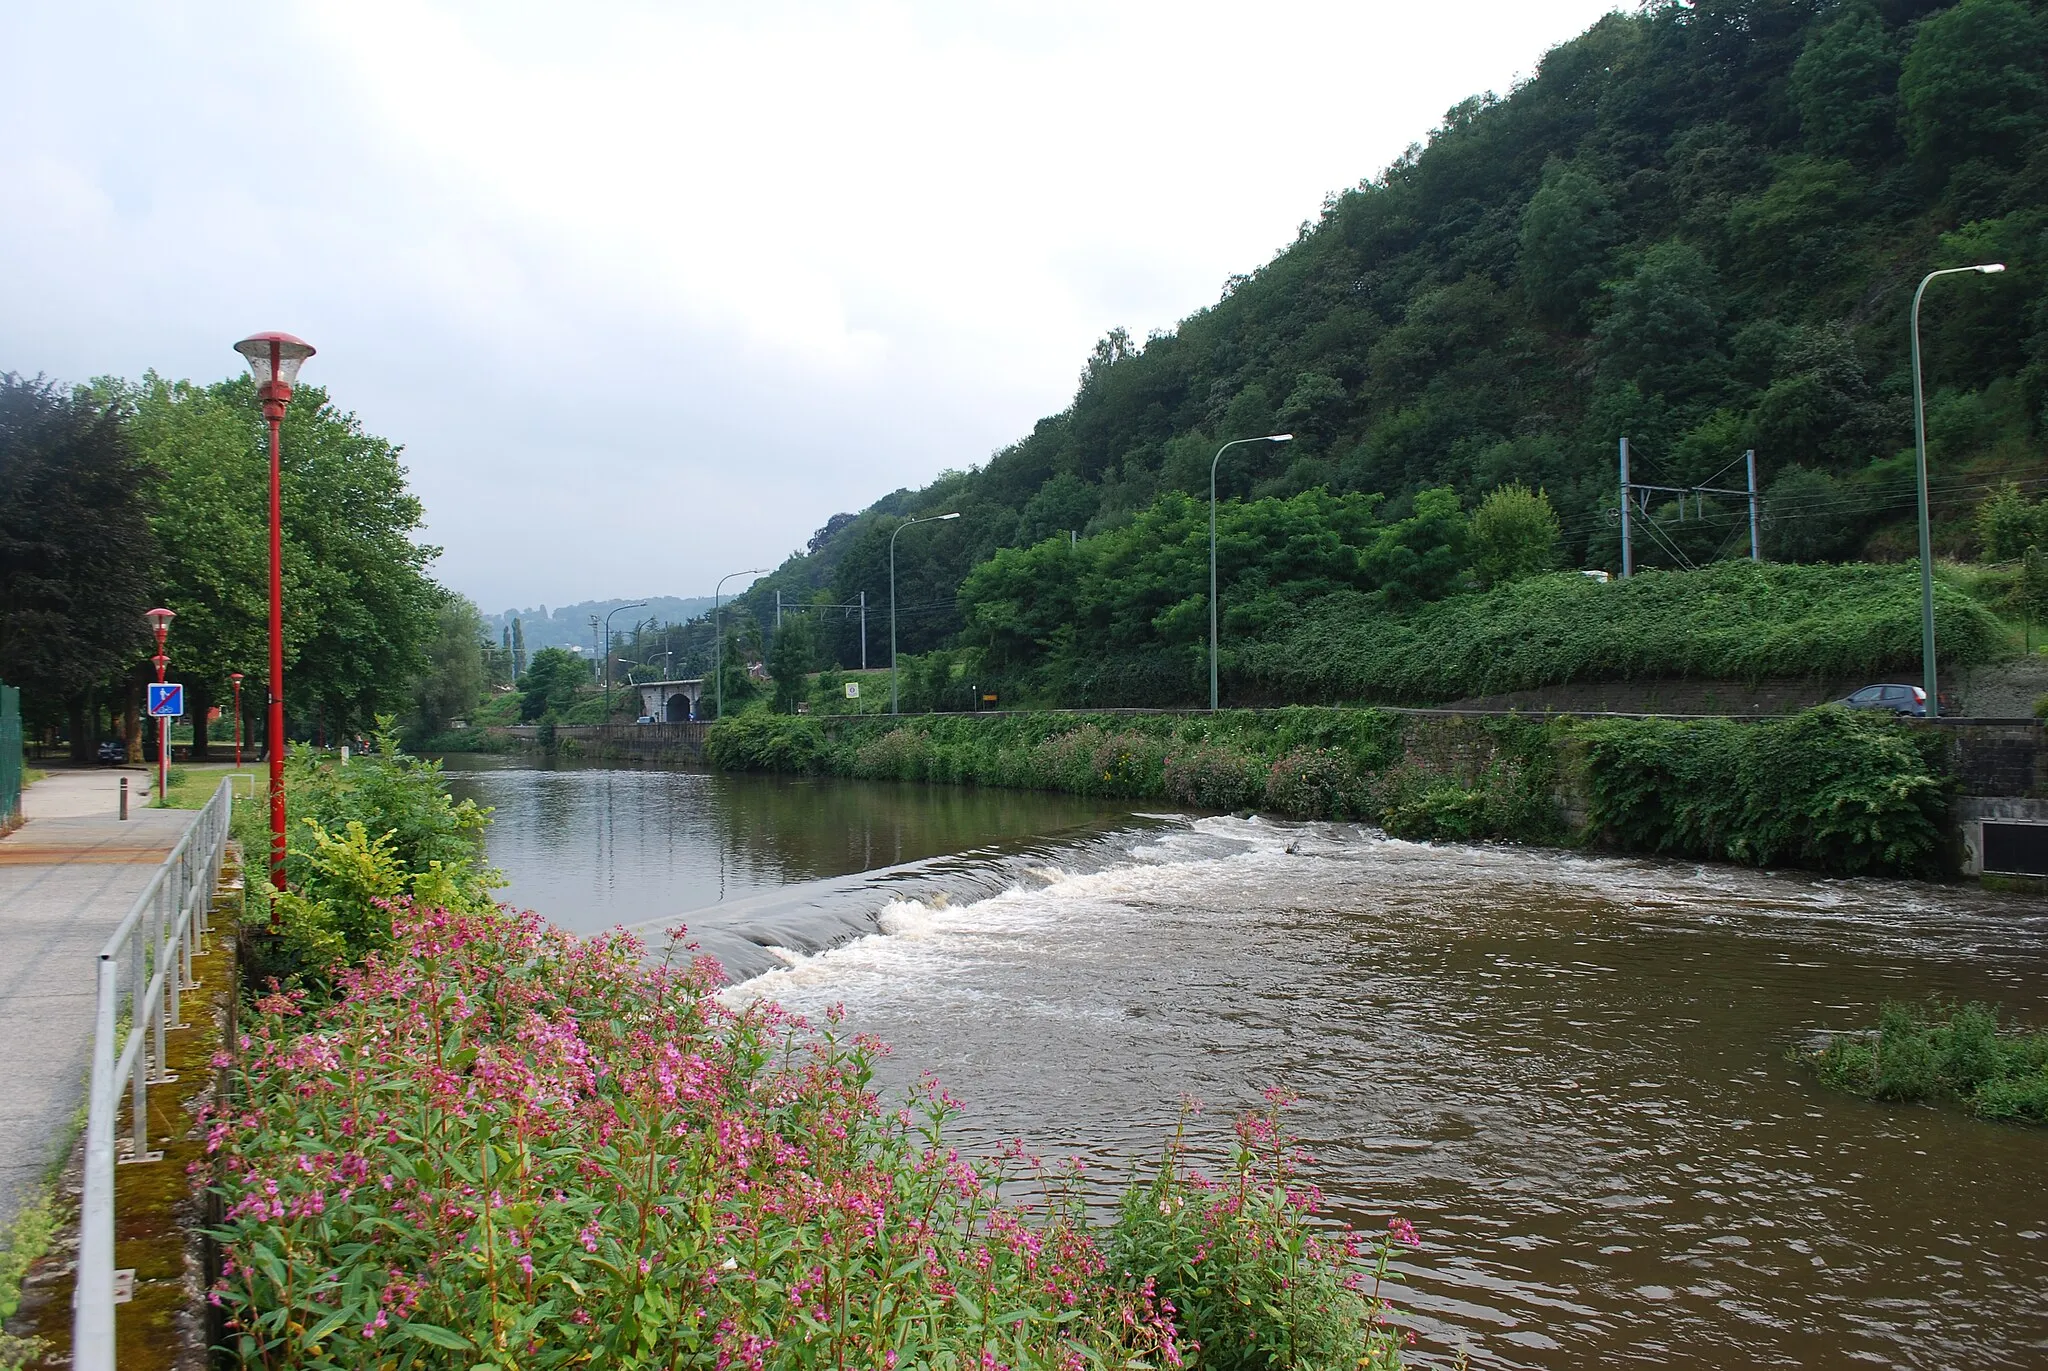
1570,1071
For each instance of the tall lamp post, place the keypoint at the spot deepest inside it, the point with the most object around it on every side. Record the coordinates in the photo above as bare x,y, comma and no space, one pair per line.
718,635
928,519
236,678
1920,472
607,664
1268,438
274,360
160,620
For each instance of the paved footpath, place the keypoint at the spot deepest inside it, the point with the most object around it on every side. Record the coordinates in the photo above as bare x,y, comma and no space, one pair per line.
68,876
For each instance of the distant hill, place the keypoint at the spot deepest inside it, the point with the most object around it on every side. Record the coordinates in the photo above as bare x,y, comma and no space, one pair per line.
1698,224
569,625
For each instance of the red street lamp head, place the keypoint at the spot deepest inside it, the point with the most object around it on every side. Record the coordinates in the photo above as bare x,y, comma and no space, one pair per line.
235,676
274,360
160,620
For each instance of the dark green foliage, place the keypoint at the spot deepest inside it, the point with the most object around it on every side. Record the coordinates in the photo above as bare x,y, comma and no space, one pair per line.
75,547
1943,1052
789,663
551,681
1975,84
1733,620
1845,84
1830,788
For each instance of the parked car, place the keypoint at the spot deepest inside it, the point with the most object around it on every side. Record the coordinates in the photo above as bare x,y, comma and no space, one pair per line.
646,719
1894,699
113,752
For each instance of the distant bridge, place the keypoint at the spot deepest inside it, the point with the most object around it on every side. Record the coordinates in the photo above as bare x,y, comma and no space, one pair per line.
670,702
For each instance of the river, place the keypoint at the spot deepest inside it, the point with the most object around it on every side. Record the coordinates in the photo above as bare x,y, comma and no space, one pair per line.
1569,1071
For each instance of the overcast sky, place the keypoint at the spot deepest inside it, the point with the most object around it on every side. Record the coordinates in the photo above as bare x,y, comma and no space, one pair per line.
649,291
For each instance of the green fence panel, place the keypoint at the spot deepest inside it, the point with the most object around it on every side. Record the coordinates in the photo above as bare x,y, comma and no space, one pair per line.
10,755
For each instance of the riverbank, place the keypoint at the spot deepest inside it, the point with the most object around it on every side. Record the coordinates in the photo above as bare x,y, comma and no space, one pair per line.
1827,789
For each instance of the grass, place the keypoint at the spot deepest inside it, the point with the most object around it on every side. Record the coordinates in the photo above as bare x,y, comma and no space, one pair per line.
26,1239
1942,1052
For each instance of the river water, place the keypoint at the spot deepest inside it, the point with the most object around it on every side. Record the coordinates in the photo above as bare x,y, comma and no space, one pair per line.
1569,1071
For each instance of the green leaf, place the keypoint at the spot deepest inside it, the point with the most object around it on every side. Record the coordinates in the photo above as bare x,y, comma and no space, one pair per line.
436,1335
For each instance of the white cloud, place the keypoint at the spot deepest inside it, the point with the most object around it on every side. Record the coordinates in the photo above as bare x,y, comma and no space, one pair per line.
649,291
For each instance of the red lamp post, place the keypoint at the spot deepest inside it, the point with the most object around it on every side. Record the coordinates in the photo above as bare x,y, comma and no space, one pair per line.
236,678
274,359
160,620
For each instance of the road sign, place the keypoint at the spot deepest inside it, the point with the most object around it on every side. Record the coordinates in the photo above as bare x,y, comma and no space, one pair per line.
166,699
853,690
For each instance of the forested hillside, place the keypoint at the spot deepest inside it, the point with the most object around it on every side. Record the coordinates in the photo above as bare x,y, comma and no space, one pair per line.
1698,225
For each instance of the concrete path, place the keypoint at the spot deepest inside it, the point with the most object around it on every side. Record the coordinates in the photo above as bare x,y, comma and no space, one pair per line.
67,877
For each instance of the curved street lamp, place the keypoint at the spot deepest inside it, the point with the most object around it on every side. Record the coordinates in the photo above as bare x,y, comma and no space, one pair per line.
274,360
1268,438
718,635
1920,472
928,519
606,665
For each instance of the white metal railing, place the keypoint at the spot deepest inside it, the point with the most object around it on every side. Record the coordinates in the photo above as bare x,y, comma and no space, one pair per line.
163,932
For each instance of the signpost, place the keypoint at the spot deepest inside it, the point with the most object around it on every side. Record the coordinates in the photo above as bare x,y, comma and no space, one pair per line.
166,702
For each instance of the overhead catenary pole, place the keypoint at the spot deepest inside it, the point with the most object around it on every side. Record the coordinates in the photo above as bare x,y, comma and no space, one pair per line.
1920,472
605,665
1627,553
1214,678
928,519
1756,547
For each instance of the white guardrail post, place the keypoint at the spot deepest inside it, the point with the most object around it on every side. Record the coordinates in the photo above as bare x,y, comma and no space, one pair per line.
163,931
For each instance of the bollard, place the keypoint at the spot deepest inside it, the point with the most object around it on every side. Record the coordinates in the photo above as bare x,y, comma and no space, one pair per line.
124,799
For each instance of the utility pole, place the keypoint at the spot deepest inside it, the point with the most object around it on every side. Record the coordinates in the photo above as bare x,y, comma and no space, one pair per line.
1756,553
1627,553
778,611
596,651
863,630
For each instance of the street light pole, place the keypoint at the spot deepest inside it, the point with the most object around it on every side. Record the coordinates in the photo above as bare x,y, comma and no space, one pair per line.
718,636
1268,438
160,620
236,678
1920,473
928,519
274,359
606,665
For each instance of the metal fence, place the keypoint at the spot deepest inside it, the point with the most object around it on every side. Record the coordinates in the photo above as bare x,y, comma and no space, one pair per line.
10,756
147,963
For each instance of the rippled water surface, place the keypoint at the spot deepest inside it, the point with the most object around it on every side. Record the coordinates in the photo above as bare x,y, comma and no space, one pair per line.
1569,1071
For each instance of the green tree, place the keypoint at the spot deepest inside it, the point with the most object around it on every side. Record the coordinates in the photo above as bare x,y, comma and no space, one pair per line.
1663,326
1514,533
551,682
790,659
76,551
1809,516
1567,233
1846,86
1975,84
2008,523
454,678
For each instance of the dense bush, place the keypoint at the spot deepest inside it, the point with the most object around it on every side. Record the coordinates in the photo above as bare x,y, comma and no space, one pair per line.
359,836
1945,1052
1736,620
1212,776
505,1146
1829,788
1317,783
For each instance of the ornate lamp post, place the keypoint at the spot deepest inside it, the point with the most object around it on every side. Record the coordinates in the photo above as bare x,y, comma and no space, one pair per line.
274,359
160,621
236,678
1234,442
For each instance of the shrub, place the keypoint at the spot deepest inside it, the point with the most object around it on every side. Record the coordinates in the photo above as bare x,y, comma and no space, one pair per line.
507,1146
1213,776
898,755
758,741
1127,766
1942,1051
1829,788
1315,783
